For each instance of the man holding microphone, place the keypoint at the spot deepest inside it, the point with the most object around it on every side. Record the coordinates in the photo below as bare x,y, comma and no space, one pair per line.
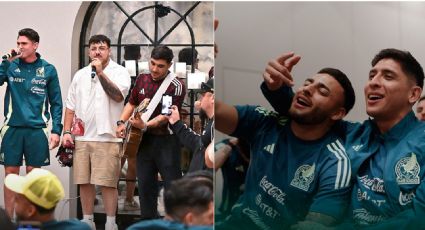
32,98
96,103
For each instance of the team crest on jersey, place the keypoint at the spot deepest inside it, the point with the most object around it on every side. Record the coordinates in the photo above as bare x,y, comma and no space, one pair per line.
407,170
39,72
303,177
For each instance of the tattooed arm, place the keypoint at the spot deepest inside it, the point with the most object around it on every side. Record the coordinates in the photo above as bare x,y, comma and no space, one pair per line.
110,88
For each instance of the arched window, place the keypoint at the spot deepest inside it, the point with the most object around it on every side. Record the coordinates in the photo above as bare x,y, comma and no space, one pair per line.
148,24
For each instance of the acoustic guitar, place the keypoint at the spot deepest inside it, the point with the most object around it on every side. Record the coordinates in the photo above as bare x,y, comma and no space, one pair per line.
133,136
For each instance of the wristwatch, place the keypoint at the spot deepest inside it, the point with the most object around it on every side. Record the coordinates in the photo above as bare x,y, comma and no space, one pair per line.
120,122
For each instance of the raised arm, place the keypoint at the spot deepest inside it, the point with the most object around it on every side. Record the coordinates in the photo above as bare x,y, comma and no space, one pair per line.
110,88
186,135
226,117
278,71
278,81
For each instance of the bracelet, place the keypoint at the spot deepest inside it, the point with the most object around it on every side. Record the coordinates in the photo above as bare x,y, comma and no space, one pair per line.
67,132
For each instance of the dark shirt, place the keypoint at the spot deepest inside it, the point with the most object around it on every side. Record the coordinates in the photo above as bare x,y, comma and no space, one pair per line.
161,224
146,87
71,224
195,142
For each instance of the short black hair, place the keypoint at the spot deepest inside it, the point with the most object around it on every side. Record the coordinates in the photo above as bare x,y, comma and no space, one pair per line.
188,194
342,79
200,174
30,34
185,55
421,99
40,209
162,52
131,52
408,63
99,38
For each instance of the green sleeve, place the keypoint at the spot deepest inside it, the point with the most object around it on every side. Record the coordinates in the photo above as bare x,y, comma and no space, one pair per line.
4,66
55,101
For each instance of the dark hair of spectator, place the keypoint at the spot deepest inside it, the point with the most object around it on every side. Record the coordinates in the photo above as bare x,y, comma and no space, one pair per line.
185,55
188,194
132,52
162,52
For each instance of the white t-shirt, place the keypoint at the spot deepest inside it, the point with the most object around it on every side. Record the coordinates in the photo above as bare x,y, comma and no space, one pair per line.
93,106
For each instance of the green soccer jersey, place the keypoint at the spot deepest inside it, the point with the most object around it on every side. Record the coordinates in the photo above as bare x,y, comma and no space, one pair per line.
287,177
31,88
388,169
389,187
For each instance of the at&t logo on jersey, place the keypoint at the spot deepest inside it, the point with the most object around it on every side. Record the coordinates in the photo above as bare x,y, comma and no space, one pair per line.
16,79
407,170
268,210
303,177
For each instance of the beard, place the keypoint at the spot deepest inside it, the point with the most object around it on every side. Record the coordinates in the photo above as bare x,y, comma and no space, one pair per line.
314,117
202,115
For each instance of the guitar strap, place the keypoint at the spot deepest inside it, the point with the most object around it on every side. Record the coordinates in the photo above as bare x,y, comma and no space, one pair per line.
157,97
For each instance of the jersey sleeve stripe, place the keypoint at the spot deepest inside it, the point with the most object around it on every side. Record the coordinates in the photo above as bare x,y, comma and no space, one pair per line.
44,111
347,182
178,86
338,174
344,170
9,111
344,162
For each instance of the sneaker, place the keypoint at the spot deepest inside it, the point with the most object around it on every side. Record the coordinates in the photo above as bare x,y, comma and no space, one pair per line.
111,226
131,205
90,223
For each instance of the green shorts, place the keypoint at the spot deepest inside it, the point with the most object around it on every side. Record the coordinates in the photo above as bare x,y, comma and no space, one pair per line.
29,143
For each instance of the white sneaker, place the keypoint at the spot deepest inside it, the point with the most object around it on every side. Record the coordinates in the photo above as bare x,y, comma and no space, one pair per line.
111,226
90,223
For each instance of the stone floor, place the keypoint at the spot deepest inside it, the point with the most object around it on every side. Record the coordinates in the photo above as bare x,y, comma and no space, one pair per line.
124,218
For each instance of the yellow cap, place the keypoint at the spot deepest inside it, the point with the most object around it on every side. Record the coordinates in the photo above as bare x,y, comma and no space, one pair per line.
40,186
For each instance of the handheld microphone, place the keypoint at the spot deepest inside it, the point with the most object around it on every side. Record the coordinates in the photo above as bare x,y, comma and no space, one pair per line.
93,71
13,54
